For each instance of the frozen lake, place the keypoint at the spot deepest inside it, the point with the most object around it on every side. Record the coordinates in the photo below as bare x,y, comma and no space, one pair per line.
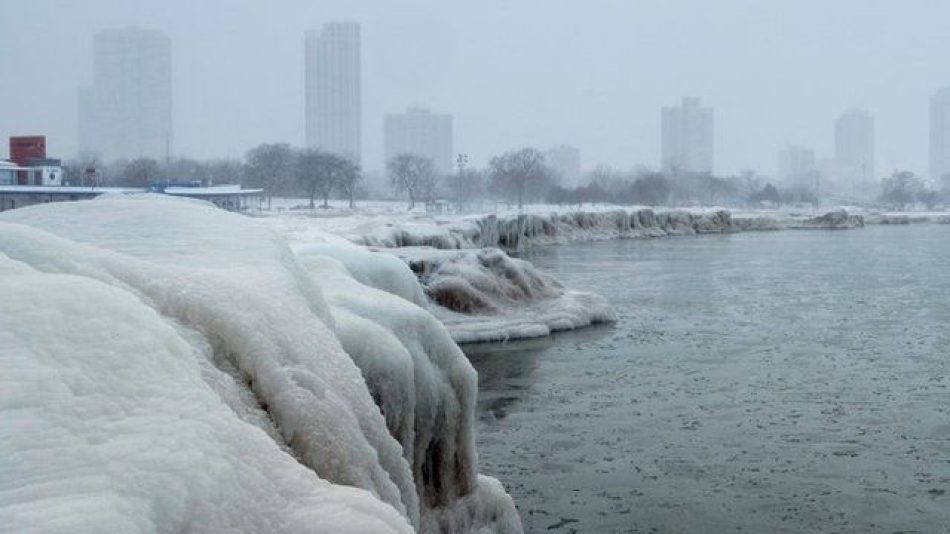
788,381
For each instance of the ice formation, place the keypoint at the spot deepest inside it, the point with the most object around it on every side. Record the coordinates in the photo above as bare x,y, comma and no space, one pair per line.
169,366
516,231
486,295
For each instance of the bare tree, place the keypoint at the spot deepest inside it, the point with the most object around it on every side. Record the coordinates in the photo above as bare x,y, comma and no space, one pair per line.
413,175
349,179
225,171
184,170
318,172
901,188
269,166
514,172
139,173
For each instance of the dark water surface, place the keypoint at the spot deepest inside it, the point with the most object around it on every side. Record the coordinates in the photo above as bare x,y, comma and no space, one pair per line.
790,381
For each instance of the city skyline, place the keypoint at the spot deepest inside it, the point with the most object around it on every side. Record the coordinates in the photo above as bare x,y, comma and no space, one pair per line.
233,93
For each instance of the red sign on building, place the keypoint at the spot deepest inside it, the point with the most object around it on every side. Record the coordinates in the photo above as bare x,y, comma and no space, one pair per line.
26,147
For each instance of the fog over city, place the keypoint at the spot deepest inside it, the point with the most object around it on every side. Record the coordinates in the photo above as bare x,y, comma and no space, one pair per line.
594,75
488,267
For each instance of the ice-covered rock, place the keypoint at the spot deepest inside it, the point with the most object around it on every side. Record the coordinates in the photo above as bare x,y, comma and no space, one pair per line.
837,219
486,295
262,341
514,232
111,421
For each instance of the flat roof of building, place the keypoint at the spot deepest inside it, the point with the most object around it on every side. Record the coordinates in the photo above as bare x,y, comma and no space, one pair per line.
65,190
214,191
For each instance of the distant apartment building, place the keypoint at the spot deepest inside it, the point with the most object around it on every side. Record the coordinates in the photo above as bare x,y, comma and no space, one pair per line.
127,112
687,138
797,166
940,136
423,133
565,161
854,152
333,94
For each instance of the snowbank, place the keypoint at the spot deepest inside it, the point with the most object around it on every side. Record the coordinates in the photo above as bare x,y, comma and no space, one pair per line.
257,378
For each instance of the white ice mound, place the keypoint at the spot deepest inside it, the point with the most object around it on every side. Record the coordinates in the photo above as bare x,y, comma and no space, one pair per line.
108,424
486,295
268,345
423,384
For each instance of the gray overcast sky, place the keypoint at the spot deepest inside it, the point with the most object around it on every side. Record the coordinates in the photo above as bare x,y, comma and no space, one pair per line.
514,73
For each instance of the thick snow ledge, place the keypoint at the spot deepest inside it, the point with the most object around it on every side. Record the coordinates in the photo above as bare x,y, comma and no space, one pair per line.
169,366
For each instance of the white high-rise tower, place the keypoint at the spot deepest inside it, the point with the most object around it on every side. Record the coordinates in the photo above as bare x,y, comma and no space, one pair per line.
940,135
127,113
687,142
333,97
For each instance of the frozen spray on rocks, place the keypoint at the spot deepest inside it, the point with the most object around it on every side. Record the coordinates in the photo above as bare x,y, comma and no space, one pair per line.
482,294
183,366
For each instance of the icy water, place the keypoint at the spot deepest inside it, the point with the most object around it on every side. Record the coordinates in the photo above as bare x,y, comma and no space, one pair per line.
790,381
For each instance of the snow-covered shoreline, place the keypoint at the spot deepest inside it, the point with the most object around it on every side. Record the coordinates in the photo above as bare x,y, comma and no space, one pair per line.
482,294
169,366
386,227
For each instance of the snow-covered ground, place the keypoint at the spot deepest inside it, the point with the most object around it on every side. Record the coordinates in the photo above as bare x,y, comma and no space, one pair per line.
168,366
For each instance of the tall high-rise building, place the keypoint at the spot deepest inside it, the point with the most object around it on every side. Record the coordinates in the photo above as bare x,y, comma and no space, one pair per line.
333,97
796,166
687,137
127,113
940,135
854,152
565,160
423,133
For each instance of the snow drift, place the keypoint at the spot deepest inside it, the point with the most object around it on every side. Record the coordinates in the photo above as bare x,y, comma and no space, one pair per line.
186,371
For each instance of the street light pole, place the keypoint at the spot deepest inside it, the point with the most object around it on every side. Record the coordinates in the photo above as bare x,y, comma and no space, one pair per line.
461,161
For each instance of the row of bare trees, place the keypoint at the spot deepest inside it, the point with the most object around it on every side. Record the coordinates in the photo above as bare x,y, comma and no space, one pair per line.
277,168
517,176
280,169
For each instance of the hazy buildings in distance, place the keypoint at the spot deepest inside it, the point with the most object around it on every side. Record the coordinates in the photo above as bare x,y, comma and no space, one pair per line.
127,113
423,133
333,95
854,152
797,166
687,138
940,135
565,161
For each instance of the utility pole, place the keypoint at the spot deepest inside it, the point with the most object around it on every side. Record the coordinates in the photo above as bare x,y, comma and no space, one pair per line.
461,161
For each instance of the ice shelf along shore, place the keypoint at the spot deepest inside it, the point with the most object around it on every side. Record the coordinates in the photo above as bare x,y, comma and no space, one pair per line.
480,293
170,367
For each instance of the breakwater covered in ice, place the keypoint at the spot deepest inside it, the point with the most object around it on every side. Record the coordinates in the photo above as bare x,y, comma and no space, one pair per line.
169,366
516,231
482,294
